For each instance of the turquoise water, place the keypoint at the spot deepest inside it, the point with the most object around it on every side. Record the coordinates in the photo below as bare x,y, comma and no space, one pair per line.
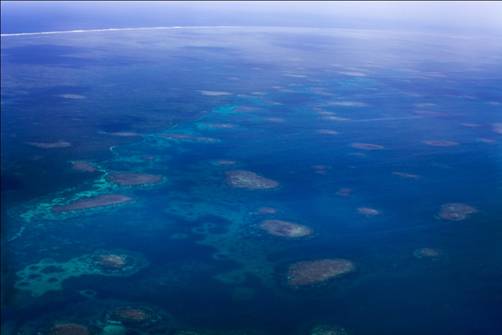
292,106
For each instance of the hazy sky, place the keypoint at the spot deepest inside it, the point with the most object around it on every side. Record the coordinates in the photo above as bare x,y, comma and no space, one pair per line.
475,16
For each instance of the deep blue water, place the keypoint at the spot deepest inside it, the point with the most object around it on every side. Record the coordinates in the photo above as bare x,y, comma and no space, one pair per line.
210,267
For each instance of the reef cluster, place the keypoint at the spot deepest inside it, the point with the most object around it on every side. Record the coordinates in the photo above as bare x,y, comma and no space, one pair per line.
344,192
285,229
217,125
327,132
366,211
48,275
134,179
328,330
497,128
93,202
133,315
405,175
249,180
116,262
440,143
50,145
266,211
83,166
69,329
367,146
214,93
224,162
188,138
426,253
456,211
307,273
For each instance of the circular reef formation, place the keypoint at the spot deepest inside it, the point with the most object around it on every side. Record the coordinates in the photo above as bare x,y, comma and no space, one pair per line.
50,145
344,192
83,166
69,329
426,253
223,162
306,273
266,211
405,175
116,262
134,179
92,202
217,125
366,211
497,128
285,229
440,143
328,330
188,138
49,275
140,319
249,180
456,211
367,146
135,315
327,132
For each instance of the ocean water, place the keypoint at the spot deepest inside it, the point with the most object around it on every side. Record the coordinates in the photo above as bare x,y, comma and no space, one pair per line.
367,134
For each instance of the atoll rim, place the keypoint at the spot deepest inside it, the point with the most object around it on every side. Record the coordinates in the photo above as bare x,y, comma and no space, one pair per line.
306,273
249,180
456,211
285,228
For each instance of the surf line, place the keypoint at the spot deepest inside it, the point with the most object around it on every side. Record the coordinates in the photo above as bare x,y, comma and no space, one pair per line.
79,31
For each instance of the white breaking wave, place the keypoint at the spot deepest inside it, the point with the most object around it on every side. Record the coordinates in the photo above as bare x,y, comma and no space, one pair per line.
78,31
